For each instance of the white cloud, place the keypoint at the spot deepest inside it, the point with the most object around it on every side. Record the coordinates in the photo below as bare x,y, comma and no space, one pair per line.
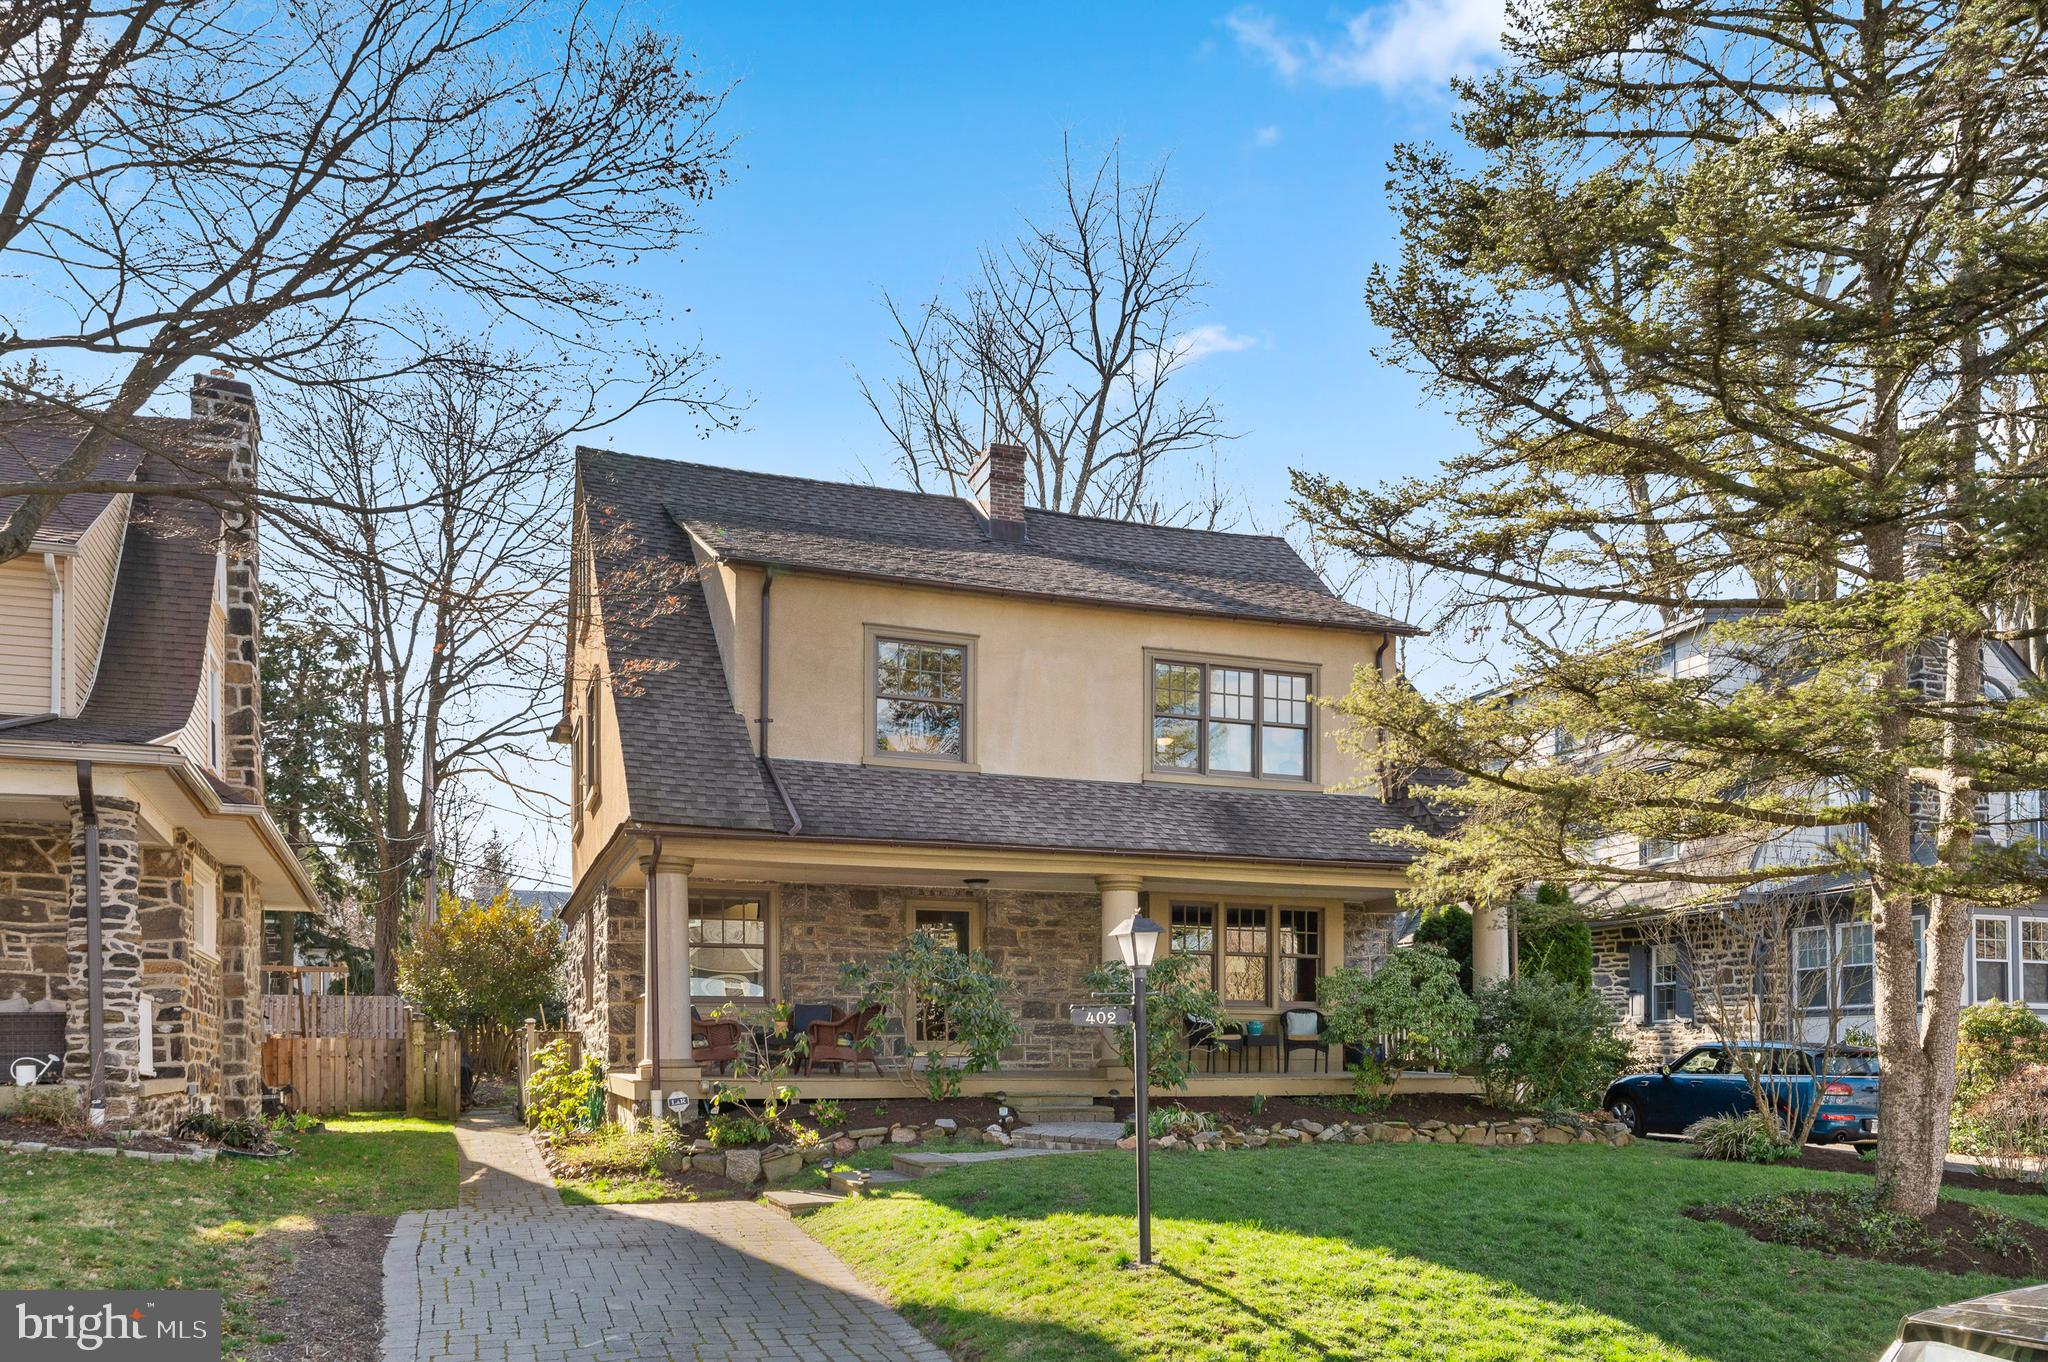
1267,136
1204,341
1394,45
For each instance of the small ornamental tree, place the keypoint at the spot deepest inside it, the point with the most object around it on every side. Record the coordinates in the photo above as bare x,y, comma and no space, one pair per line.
1412,1006
483,969
951,1003
1175,995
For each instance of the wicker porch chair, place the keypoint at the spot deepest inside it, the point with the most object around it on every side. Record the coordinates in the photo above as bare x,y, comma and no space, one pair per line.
837,1041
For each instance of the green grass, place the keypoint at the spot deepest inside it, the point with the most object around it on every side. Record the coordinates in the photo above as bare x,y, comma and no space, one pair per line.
817,1176
74,1221
1387,1251
617,1190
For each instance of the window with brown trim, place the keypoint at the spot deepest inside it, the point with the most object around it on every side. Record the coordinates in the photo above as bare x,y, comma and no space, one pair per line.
921,698
1229,720
1252,953
1247,944
1194,933
1301,954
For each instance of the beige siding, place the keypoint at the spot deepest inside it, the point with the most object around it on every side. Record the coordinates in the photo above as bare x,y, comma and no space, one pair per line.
24,636
88,592
193,741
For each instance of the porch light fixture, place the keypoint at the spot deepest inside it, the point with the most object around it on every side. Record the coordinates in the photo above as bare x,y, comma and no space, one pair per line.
976,882
1137,941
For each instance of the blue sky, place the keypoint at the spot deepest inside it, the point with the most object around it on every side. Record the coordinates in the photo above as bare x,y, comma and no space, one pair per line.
878,149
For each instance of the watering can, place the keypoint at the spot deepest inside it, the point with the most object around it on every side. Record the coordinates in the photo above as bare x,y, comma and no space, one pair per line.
28,1070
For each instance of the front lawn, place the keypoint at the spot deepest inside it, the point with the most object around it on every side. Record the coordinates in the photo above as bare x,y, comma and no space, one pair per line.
1381,1251
74,1221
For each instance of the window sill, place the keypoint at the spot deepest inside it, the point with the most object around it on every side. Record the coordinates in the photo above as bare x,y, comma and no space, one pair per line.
210,956
920,763
1270,784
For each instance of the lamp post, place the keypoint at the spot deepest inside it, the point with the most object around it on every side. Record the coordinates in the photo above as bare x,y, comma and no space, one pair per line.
1137,941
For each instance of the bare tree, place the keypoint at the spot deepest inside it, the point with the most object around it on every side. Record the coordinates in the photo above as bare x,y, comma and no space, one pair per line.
456,604
1070,341
186,180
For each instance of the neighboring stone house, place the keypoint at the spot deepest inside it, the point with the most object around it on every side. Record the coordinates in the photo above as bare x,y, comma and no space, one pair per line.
130,703
1793,958
815,717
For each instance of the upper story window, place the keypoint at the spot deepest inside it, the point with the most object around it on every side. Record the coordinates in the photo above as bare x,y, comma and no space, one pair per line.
587,751
216,755
922,697
1227,719
205,909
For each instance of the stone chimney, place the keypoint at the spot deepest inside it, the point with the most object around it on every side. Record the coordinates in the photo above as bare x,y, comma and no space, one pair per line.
224,407
997,480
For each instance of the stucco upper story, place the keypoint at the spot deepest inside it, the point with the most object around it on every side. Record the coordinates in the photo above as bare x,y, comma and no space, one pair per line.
954,669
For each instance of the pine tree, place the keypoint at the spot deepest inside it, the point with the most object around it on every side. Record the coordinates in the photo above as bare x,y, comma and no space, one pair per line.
1742,308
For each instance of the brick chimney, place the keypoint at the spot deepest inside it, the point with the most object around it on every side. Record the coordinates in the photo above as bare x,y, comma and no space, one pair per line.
224,407
998,483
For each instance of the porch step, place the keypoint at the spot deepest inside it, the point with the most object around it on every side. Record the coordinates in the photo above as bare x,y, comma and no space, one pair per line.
1058,1108
797,1205
1068,1135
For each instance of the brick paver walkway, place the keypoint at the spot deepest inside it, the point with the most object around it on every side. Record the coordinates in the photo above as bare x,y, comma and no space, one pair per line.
515,1276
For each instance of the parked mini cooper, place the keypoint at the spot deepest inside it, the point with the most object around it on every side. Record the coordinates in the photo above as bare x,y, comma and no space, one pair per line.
1707,1081
2010,1326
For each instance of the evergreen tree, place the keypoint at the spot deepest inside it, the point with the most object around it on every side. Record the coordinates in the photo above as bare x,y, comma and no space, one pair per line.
1742,308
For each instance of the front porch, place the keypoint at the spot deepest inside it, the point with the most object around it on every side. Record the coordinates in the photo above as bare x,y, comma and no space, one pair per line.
753,923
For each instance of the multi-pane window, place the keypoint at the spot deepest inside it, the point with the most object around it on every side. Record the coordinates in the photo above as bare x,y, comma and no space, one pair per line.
1810,968
1251,953
1991,950
2034,961
921,699
1656,851
1246,943
1214,719
728,946
1856,964
1663,985
1301,954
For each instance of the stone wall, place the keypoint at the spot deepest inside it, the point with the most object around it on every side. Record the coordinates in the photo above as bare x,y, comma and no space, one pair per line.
1655,1041
1042,946
241,1009
35,892
604,1003
1368,937
228,407
120,874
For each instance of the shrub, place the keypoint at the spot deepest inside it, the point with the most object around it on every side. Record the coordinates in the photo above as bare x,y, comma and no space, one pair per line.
2008,1127
613,1151
1177,1120
1412,1007
50,1104
234,1132
958,998
736,1130
1553,938
1752,1137
563,1095
1449,929
484,969
1175,992
827,1114
1993,1041
1544,1044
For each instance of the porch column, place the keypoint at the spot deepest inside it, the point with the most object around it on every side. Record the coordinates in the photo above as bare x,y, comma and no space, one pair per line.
668,973
1119,905
1489,943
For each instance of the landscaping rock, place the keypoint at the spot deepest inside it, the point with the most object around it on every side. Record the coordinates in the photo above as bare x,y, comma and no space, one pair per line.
815,1152
1127,1142
781,1165
1476,1135
713,1164
1330,1135
902,1135
1553,1135
700,1145
871,1132
743,1166
844,1145
946,1123
1258,1139
869,1141
1311,1127
1001,1136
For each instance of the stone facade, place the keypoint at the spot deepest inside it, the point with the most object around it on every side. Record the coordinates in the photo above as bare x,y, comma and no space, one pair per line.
604,977
228,406
1369,937
35,892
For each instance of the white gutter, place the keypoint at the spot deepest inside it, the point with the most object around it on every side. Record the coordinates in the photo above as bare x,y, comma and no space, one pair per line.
169,759
57,639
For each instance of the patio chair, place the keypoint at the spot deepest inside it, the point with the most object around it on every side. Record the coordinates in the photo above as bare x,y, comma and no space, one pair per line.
838,1041
1301,1028
1201,1037
714,1042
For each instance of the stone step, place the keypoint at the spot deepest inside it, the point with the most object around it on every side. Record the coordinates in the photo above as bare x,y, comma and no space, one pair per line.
848,1179
1069,1135
1032,1101
796,1205
1067,1115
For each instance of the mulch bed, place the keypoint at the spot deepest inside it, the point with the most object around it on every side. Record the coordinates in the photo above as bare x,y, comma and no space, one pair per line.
972,1113
1958,1237
326,1288
1836,1160
1414,1108
69,1137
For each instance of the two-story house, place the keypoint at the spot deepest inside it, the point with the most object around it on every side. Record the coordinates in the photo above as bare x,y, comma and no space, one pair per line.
1798,950
136,857
811,718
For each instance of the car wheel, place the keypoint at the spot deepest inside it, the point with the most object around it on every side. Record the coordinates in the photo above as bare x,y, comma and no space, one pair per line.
1629,1114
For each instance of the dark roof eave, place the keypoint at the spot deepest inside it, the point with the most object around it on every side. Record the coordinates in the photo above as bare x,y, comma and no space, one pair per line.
1243,617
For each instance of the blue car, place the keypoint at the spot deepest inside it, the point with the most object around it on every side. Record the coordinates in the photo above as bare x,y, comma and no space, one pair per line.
1707,1081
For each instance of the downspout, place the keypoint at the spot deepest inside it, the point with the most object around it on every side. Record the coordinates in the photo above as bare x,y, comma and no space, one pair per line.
654,982
1380,734
56,632
796,820
95,981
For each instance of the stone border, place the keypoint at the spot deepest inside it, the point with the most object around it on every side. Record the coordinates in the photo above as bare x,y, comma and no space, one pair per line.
780,1162
190,1154
1524,1130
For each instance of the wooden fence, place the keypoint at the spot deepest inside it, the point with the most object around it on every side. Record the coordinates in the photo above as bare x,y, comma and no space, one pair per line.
323,1014
418,1071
